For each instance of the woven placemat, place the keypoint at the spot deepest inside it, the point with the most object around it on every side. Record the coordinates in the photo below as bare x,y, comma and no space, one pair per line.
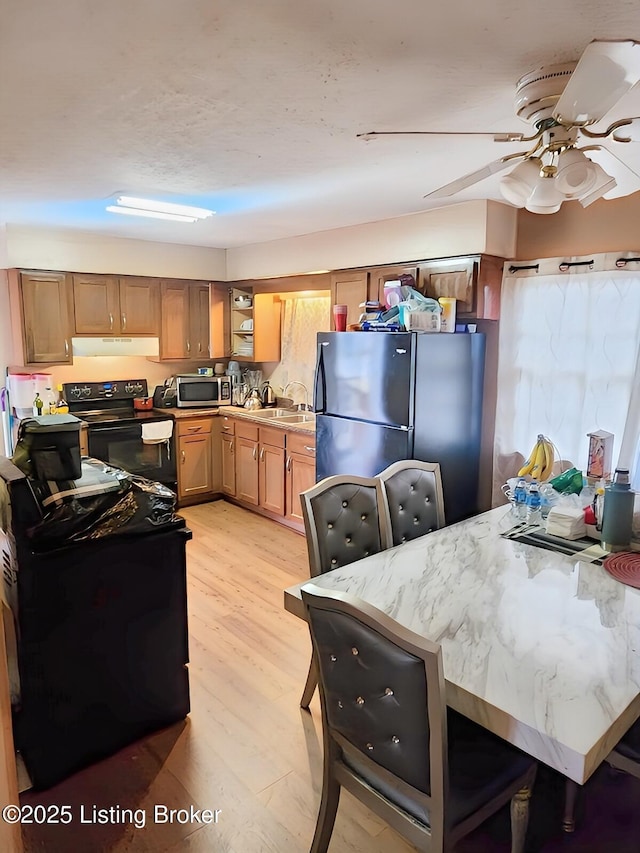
624,566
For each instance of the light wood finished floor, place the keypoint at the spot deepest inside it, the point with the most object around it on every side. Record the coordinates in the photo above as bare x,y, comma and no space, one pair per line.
246,748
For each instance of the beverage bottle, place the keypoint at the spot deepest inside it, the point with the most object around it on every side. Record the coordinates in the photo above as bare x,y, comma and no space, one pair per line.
49,402
520,499
37,405
62,407
617,515
534,514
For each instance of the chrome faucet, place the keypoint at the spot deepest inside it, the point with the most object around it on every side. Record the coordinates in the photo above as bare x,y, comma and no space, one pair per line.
301,406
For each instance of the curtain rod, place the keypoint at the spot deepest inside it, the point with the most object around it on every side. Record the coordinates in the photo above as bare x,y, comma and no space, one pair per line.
622,262
535,267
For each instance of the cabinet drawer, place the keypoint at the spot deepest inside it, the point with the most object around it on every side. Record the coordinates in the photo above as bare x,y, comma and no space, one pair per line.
271,435
303,444
228,425
194,426
246,430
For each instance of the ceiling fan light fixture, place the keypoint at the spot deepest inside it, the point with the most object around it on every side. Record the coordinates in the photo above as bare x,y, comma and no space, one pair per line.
546,197
603,183
517,185
576,173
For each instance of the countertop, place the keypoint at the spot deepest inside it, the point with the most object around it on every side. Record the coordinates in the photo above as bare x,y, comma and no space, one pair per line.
237,412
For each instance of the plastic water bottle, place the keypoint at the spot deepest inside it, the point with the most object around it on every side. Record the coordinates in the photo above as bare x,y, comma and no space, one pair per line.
617,516
520,499
534,513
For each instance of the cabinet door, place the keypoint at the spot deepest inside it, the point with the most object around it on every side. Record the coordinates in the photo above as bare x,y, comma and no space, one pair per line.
300,472
199,318
379,277
350,288
228,465
271,478
194,471
175,329
247,470
97,305
455,277
47,315
267,318
139,306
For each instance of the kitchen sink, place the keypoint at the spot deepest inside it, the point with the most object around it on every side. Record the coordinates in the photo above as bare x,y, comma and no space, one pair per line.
267,414
297,419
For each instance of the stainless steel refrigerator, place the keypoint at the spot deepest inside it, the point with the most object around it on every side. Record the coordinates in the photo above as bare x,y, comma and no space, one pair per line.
384,396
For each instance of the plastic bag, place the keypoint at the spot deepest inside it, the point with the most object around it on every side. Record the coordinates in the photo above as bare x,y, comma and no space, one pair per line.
569,482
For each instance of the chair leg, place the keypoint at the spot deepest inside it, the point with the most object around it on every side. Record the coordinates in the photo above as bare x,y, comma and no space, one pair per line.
570,795
326,815
311,684
519,819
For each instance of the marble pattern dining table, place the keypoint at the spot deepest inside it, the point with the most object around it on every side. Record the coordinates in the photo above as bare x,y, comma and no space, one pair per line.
539,647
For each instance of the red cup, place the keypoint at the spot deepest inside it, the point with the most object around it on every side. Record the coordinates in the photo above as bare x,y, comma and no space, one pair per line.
340,318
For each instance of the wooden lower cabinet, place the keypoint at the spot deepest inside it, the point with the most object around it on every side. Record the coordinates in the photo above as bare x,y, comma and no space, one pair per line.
247,467
195,459
300,472
271,470
266,468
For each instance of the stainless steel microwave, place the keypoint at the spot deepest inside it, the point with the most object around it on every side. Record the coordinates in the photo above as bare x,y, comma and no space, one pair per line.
196,391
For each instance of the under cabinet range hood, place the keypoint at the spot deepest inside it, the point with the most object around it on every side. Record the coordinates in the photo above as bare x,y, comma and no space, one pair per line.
115,346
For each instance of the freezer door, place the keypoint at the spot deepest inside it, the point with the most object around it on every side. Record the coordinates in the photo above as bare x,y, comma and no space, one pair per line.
356,447
367,376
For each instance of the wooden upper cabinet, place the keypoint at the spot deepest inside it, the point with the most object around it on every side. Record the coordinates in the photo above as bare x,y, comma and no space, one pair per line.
199,320
175,329
473,281
267,318
97,304
107,305
47,317
350,288
139,306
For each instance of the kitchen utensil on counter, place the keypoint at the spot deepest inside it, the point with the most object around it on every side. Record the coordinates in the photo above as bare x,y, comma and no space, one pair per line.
253,401
268,396
218,368
142,403
239,393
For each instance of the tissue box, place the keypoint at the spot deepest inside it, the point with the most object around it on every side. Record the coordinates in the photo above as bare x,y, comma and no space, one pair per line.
600,454
419,321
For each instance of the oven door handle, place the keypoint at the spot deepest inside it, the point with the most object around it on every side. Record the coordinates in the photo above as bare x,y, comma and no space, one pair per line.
137,427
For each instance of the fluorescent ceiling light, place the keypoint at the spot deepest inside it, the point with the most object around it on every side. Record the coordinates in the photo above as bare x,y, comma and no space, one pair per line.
164,207
153,214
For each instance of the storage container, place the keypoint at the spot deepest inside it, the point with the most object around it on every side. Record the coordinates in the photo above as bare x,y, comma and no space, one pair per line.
49,447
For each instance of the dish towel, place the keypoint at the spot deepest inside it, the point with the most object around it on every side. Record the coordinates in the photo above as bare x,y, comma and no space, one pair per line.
157,432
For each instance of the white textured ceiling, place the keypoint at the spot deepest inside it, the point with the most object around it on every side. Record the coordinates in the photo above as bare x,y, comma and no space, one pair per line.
252,106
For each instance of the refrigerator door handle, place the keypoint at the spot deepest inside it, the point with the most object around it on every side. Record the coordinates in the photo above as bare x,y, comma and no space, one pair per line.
320,395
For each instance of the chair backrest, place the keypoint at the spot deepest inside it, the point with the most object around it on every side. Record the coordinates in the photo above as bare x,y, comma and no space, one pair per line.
413,498
383,703
344,521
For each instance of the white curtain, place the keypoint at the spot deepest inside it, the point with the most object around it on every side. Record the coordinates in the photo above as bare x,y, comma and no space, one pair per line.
568,365
302,319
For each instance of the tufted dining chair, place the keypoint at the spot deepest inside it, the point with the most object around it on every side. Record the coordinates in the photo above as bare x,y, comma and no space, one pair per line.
388,738
343,523
413,498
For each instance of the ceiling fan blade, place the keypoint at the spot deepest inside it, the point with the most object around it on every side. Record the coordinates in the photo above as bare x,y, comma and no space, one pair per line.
605,72
497,137
472,178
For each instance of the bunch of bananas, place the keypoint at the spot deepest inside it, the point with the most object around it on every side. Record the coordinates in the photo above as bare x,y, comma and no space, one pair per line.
539,465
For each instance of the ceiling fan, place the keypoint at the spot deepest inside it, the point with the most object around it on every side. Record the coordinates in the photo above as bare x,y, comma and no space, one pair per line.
561,102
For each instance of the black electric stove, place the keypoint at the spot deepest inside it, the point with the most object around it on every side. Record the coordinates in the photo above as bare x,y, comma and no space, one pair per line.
115,429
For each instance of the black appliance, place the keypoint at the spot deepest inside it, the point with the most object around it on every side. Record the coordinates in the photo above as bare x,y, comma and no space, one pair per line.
115,428
385,396
102,634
